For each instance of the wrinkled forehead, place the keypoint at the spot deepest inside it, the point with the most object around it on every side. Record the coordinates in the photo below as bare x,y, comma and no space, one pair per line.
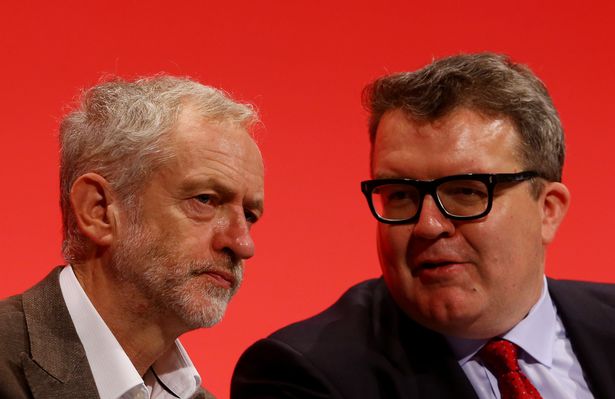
194,130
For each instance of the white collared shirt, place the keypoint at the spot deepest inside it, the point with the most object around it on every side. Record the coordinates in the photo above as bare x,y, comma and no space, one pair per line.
114,374
545,356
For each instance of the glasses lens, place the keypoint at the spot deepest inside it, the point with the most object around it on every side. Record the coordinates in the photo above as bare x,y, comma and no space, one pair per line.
463,197
396,201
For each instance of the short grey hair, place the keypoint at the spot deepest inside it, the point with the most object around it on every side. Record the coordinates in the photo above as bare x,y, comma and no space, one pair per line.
488,83
120,130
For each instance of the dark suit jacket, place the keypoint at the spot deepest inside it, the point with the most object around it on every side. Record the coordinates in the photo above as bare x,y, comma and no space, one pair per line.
365,347
41,355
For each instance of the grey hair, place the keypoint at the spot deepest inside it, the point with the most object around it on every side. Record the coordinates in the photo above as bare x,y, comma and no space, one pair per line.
120,131
488,83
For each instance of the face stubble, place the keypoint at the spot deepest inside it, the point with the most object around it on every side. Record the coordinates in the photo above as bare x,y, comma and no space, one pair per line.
172,284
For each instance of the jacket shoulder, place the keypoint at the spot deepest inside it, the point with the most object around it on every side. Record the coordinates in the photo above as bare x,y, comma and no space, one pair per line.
583,291
587,311
337,353
16,316
316,357
12,326
350,315
15,343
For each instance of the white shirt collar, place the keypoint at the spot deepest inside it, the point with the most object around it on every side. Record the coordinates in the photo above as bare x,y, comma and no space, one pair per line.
113,372
534,334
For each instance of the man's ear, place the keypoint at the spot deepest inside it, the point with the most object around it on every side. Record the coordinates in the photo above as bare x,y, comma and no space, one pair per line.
94,206
555,199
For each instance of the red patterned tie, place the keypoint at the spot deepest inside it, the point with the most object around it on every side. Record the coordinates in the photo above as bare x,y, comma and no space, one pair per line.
500,357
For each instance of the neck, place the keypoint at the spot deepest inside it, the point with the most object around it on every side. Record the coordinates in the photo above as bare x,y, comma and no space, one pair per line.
140,327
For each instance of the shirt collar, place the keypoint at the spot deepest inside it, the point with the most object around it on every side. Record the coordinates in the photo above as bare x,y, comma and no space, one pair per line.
175,369
534,334
113,372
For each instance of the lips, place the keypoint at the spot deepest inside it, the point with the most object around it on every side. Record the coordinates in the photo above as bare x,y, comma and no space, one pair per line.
433,265
432,262
224,278
438,271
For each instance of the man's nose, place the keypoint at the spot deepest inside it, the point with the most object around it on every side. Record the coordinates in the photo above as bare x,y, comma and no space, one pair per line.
432,223
233,234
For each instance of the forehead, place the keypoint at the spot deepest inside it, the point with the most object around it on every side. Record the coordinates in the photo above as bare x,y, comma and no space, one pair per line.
203,149
463,141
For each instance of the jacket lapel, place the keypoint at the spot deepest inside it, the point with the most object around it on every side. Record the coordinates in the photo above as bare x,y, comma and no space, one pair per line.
427,365
437,372
588,313
56,366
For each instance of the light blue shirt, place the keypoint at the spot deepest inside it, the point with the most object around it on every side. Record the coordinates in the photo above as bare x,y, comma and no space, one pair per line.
545,356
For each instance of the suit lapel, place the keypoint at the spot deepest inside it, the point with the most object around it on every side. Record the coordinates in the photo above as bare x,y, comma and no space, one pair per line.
589,318
437,372
57,366
427,365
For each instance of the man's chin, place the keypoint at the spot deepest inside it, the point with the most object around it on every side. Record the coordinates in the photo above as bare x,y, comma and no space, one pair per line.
203,314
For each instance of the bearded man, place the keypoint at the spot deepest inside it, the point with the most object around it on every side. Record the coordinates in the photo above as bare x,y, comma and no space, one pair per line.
160,184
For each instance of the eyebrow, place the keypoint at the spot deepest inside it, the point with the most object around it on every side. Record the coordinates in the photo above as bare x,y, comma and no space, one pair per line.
389,176
257,204
219,185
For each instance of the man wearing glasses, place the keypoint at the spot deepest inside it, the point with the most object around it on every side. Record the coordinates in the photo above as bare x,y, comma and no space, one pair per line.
466,162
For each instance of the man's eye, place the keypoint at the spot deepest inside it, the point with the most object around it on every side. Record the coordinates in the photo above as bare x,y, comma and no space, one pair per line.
398,196
203,198
468,192
251,217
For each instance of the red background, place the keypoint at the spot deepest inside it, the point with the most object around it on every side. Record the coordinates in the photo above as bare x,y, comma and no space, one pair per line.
304,65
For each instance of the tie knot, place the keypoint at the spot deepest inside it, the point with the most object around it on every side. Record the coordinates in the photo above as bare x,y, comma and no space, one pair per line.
499,356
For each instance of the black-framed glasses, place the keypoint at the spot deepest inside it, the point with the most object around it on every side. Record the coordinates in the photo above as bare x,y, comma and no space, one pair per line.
459,197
